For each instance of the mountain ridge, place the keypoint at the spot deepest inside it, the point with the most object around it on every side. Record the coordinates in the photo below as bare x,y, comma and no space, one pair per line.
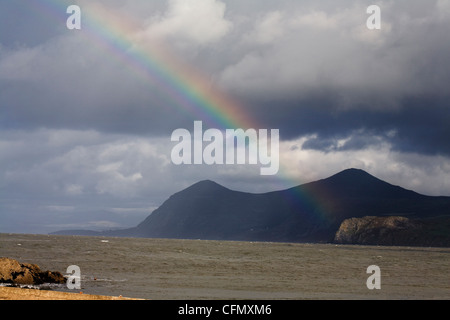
310,212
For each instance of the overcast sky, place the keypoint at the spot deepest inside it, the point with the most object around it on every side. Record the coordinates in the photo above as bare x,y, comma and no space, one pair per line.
85,140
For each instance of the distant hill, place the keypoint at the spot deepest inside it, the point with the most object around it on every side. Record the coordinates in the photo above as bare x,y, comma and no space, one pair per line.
311,212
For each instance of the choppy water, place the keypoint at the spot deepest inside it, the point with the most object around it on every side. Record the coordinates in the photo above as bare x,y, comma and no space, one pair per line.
196,269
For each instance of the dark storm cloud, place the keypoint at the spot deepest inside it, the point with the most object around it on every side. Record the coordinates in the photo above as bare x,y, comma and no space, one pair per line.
321,73
301,67
418,124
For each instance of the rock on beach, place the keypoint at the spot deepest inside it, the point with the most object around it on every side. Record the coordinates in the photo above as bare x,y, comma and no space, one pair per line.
14,272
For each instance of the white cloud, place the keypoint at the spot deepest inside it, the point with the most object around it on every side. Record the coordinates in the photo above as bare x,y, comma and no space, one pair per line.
87,163
198,21
267,29
317,20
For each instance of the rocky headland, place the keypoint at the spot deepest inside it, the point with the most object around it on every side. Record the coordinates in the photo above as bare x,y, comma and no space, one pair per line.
394,231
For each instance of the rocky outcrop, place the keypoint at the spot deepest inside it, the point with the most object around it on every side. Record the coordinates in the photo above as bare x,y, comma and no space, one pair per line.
394,231
14,272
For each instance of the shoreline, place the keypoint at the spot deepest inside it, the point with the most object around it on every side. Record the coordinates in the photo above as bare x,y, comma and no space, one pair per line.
14,293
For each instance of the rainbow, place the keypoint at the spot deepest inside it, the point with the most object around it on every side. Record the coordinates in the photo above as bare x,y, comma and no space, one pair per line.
191,92
188,88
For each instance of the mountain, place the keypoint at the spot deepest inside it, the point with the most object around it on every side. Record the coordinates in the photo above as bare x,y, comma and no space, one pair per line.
311,212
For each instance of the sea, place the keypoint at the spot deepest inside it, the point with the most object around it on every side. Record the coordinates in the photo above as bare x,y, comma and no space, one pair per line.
170,269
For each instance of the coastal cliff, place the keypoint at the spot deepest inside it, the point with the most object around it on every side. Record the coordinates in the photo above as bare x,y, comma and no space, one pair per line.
394,231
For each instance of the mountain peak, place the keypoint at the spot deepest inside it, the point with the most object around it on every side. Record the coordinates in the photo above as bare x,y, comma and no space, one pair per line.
359,183
205,186
207,183
353,173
